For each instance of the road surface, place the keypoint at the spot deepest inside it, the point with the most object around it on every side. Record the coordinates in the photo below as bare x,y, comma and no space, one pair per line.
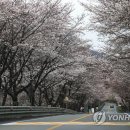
67,122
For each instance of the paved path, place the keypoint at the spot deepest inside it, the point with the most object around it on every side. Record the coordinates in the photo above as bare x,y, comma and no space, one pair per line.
68,122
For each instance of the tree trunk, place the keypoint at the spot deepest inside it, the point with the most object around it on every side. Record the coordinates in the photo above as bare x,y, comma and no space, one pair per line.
4,99
128,106
40,98
31,95
32,99
15,101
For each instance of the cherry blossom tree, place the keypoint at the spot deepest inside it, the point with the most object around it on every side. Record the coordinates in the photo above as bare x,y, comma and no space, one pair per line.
111,19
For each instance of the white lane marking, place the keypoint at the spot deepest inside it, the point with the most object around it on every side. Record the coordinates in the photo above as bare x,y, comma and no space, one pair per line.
12,123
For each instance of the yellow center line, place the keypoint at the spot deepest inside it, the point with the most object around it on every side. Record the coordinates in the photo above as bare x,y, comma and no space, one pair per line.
116,124
57,126
74,123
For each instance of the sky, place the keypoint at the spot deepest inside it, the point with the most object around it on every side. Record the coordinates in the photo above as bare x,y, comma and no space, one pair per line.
91,35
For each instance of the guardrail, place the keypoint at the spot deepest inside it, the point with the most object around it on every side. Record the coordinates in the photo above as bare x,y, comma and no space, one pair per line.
10,112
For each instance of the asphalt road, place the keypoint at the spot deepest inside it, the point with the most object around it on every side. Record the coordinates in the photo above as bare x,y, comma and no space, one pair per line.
68,122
